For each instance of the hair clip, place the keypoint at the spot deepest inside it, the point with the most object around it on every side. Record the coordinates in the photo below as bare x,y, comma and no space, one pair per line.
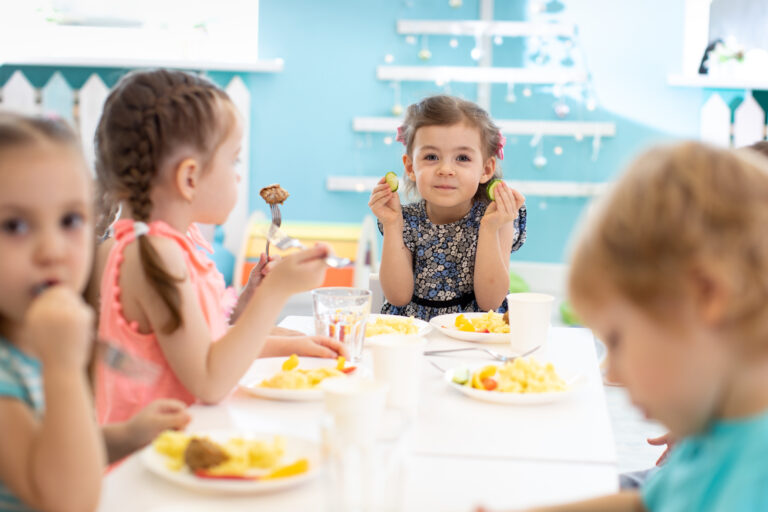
400,135
500,149
140,229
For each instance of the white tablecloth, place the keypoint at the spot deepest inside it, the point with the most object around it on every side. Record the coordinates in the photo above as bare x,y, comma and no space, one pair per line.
463,452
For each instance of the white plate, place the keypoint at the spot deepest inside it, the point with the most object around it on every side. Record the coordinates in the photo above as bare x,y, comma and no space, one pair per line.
265,368
574,381
446,324
422,327
295,448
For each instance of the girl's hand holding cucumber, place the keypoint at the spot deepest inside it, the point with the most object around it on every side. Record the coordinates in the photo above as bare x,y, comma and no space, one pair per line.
384,202
505,204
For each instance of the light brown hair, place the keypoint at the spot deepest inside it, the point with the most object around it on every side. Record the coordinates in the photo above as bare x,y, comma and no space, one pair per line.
442,110
677,211
21,130
147,117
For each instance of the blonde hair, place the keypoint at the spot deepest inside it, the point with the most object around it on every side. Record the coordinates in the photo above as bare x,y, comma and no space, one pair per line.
676,211
442,110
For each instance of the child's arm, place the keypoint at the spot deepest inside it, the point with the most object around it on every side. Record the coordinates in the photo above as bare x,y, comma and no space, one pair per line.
629,501
211,370
396,268
494,245
55,462
303,345
124,438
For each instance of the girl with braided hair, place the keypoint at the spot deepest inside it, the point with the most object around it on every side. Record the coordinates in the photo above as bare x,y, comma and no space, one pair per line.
167,145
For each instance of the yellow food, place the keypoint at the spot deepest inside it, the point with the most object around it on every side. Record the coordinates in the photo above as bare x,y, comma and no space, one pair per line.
391,325
489,322
246,457
293,377
519,376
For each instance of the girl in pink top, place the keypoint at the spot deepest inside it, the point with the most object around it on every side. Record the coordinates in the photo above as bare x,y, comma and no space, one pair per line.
167,146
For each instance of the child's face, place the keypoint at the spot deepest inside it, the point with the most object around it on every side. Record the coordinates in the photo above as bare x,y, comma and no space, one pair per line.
46,232
218,185
448,164
674,371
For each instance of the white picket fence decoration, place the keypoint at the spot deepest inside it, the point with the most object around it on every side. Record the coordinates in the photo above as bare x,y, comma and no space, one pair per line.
748,122
82,108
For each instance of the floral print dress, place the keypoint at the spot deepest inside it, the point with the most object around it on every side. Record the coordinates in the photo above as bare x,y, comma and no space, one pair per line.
444,261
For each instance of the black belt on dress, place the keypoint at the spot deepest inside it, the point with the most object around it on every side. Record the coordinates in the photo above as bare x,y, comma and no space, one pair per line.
461,300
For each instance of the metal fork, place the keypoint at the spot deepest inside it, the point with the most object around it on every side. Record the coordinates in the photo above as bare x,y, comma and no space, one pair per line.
282,241
493,354
277,220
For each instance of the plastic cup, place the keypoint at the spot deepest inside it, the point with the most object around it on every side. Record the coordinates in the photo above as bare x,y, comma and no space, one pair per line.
529,319
356,406
397,362
341,313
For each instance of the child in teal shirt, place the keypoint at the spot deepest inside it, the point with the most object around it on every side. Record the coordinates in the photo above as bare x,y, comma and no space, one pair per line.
672,273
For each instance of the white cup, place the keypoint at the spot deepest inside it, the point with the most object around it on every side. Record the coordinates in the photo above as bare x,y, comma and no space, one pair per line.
397,362
529,318
356,406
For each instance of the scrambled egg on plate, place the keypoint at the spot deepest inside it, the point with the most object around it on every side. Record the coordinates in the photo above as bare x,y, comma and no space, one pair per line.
391,325
489,322
517,376
242,457
293,377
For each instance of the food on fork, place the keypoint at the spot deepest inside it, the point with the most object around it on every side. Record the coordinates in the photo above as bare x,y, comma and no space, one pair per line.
274,194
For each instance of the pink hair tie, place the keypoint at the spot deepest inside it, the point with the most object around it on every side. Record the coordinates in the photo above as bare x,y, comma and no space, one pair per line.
400,136
500,149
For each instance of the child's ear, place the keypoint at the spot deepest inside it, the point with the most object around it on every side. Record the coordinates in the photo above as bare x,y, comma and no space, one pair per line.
408,165
187,177
711,296
488,169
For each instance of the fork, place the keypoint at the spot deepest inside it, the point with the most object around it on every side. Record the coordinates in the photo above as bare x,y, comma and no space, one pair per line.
277,220
493,354
282,241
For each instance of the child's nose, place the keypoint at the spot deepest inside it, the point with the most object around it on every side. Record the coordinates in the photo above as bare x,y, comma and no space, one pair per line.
50,247
445,168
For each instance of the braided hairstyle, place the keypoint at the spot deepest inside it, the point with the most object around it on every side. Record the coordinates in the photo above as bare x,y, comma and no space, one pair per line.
147,118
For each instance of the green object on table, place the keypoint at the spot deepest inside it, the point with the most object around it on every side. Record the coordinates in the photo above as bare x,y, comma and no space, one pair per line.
567,314
517,284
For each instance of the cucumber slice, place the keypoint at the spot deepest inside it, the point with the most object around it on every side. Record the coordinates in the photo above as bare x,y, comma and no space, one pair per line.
461,376
492,187
391,179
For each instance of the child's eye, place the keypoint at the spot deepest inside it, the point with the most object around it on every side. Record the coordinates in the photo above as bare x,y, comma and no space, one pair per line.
430,156
612,340
14,226
72,220
463,158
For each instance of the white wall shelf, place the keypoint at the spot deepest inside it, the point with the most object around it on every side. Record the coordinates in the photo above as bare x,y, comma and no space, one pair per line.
714,82
254,66
485,28
472,74
528,188
508,127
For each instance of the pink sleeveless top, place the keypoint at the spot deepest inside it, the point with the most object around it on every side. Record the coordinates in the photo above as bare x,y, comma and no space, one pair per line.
119,397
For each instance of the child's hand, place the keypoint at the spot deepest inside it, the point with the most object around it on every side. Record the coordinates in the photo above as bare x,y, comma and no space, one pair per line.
148,423
313,346
505,208
258,272
58,328
385,204
282,331
664,439
298,272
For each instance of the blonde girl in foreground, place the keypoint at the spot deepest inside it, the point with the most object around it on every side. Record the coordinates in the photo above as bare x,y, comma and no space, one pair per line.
673,274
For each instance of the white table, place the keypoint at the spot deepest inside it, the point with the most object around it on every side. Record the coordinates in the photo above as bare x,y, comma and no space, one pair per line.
463,452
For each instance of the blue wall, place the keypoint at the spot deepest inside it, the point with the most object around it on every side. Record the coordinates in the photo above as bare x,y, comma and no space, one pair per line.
302,117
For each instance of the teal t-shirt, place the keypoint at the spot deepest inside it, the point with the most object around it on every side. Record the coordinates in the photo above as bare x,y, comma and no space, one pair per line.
723,469
20,379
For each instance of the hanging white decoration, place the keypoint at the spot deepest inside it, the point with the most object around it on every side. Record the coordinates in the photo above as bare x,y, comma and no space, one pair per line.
424,53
